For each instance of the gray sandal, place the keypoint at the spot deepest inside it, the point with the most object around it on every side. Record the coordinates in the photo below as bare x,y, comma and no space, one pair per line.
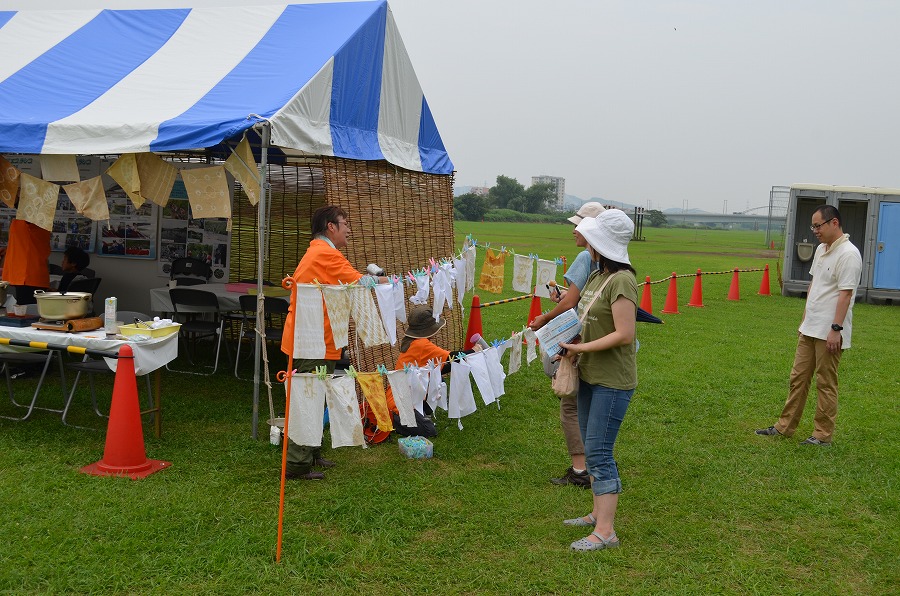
580,521
584,544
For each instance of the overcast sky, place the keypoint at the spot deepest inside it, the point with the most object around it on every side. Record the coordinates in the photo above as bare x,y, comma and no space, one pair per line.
652,102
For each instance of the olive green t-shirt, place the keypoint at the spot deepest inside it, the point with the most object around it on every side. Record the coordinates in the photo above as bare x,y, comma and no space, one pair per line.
617,367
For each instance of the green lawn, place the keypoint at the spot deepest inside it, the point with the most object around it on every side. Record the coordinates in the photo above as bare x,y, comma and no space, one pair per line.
708,506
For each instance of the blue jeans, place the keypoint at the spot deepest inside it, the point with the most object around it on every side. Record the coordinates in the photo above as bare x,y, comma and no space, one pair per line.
600,414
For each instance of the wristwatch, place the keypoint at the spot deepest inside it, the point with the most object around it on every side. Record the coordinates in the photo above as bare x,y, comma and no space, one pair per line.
836,327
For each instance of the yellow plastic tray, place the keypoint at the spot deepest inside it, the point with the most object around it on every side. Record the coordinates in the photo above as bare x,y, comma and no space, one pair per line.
142,330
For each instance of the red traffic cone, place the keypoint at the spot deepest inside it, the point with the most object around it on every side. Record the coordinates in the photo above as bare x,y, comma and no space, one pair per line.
734,292
772,245
535,309
671,307
647,297
697,294
124,453
474,322
764,285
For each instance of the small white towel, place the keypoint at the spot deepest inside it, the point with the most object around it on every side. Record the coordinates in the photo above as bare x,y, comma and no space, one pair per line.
461,401
436,397
337,301
343,412
384,293
495,371
399,302
515,353
546,272
523,273
461,280
418,385
530,342
402,392
369,327
479,368
309,321
421,295
307,413
470,268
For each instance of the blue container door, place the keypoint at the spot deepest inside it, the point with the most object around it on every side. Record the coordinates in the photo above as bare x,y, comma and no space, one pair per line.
887,248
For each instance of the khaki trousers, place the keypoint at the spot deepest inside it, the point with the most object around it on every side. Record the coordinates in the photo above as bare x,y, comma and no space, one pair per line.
812,356
568,418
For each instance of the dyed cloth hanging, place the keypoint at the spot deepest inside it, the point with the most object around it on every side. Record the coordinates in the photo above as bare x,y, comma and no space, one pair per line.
443,293
242,166
125,172
421,295
59,168
89,198
470,268
523,273
495,370
478,364
309,341
307,413
373,388
157,177
461,279
437,393
37,201
461,401
337,302
343,412
207,190
530,343
399,302
369,327
515,353
546,272
492,275
418,386
9,183
384,293
402,393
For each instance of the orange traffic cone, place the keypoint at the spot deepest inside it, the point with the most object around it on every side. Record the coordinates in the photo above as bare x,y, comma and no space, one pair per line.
535,309
764,285
697,294
671,307
124,453
734,292
772,245
647,297
474,322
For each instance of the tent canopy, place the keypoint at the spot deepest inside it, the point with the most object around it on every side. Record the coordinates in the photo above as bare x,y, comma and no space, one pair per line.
331,79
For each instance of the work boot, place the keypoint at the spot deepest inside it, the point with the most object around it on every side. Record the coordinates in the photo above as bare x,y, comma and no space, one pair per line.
307,476
582,479
321,462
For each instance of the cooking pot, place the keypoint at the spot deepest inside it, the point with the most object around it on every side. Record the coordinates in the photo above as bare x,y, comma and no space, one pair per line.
53,306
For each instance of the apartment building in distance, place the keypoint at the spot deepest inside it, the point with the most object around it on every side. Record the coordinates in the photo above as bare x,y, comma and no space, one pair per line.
559,187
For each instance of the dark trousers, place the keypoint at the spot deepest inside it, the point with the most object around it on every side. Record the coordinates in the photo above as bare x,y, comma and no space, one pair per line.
300,458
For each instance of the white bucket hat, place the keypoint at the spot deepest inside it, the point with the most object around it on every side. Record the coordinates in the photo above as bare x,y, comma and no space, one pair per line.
608,234
589,209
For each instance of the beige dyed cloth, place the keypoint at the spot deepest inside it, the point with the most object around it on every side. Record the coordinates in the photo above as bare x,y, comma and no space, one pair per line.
309,321
337,303
37,201
515,353
523,273
307,410
125,172
9,183
546,272
242,166
59,168
492,272
89,198
343,412
157,177
369,327
207,190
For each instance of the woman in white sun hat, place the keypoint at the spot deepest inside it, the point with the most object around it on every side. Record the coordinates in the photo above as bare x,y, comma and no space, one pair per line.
607,367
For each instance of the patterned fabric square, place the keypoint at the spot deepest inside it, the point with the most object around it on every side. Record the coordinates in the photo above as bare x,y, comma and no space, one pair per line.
369,327
37,203
546,271
470,268
309,320
207,190
157,177
125,172
307,405
343,412
523,273
515,353
492,272
9,183
89,198
373,388
337,302
242,166
59,168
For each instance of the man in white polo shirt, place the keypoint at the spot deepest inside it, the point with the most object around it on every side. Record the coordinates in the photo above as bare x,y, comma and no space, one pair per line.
825,330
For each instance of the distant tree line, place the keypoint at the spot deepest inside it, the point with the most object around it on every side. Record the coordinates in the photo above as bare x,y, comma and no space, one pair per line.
507,194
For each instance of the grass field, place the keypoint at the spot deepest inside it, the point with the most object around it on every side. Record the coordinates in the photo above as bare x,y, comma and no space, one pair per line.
708,506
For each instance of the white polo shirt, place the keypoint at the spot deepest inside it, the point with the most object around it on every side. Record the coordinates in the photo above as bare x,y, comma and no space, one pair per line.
837,268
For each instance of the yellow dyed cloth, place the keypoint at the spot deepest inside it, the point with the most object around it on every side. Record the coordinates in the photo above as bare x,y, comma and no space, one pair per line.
157,177
207,190
492,272
242,166
59,168
37,202
373,388
89,198
9,182
125,172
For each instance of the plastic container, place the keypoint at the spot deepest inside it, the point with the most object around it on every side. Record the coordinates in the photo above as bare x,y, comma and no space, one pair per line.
416,447
110,324
135,329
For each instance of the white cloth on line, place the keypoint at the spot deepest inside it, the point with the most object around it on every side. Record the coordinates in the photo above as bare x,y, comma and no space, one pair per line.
460,266
546,272
309,321
337,302
421,295
343,412
530,343
418,385
495,370
442,293
402,392
461,401
478,364
369,327
307,410
470,268
515,353
399,302
384,293
436,398
523,273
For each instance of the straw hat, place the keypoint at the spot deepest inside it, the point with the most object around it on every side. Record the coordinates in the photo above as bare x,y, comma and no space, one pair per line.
589,209
609,234
422,323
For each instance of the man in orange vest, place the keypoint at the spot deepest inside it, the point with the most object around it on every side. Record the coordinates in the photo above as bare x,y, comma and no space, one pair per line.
324,262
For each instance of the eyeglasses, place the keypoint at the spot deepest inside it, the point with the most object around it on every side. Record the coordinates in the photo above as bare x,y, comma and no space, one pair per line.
815,227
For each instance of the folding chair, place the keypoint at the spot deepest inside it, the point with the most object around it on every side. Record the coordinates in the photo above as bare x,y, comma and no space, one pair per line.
271,306
88,285
191,305
30,358
188,271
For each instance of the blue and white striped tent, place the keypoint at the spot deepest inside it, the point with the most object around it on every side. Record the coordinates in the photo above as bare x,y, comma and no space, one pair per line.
330,79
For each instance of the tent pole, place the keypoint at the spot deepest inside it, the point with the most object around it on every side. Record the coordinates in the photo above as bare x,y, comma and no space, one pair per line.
261,244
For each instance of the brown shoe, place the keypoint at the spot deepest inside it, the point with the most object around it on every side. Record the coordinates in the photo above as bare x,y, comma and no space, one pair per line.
321,462
308,476
574,478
